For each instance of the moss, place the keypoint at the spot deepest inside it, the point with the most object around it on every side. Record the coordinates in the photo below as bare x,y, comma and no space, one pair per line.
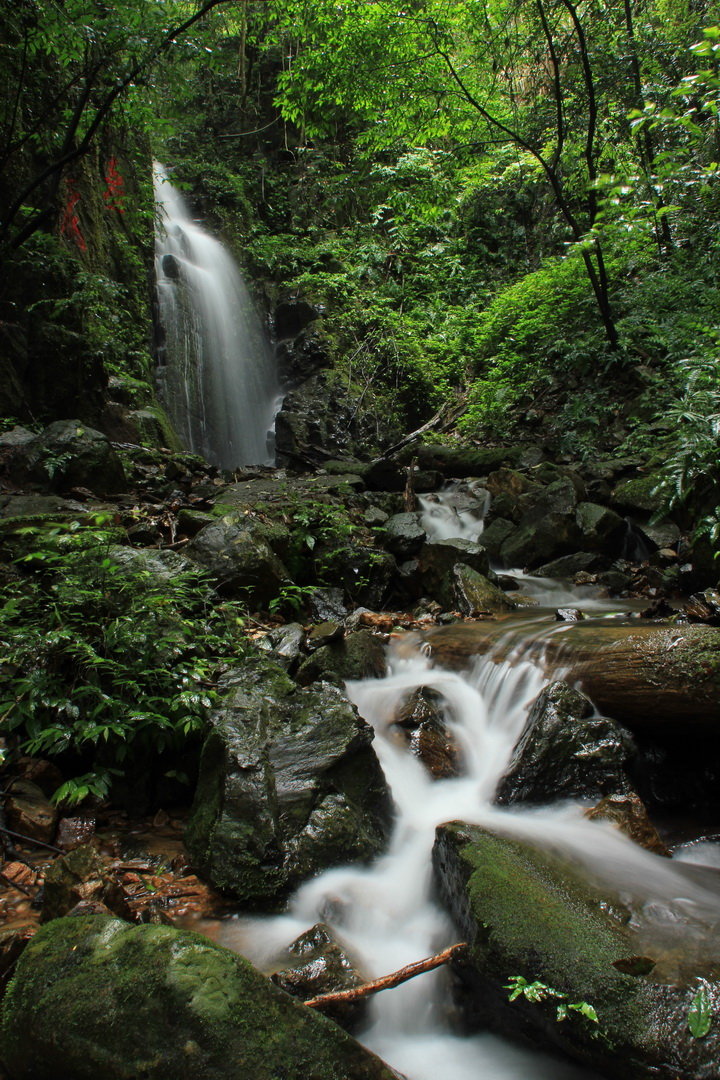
103,998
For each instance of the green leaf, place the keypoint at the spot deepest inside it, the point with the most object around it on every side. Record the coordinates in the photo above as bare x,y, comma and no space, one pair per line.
700,1014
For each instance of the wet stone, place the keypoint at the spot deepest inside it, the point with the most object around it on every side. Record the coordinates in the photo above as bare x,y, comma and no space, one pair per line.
321,966
421,720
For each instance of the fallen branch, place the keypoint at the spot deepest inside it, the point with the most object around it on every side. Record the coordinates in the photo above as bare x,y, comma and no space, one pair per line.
388,981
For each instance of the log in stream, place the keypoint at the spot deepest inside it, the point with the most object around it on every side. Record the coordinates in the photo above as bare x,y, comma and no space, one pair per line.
642,674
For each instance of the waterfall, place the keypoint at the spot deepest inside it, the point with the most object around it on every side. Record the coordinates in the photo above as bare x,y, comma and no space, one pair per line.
216,373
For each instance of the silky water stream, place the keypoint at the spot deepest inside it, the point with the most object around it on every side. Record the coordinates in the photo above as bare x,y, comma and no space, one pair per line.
385,915
216,372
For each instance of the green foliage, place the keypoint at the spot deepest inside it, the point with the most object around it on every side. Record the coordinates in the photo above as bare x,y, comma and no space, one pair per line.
691,472
539,991
700,1014
105,664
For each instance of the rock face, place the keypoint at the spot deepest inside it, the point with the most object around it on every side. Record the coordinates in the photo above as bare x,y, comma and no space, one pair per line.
289,785
530,913
104,998
566,752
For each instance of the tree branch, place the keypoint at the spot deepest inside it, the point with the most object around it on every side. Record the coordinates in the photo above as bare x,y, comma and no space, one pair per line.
388,981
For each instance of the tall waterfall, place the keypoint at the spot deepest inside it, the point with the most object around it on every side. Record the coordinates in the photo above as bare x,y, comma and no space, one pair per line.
216,373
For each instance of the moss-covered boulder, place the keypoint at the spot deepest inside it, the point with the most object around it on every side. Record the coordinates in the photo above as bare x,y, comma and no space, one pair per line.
475,594
94,996
530,913
289,785
640,496
567,752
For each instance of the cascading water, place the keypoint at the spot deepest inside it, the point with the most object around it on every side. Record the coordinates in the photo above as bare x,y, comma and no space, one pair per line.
456,512
384,914
216,373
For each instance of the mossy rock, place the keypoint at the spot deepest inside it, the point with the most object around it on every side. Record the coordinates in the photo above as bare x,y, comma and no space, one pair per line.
104,998
639,495
529,911
460,461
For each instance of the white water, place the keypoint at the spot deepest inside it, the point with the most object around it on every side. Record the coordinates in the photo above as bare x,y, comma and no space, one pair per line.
384,914
456,512
216,373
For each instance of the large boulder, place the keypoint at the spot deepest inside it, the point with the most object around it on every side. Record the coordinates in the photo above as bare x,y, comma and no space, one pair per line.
534,916
236,553
436,562
567,752
70,454
94,996
477,595
289,784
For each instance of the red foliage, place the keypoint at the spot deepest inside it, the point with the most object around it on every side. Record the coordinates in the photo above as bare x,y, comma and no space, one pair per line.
114,192
70,222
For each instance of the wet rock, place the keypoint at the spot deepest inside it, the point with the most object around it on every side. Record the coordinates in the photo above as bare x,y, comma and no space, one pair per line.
284,645
436,562
291,316
323,634
602,529
526,909
495,534
327,604
476,595
103,998
568,566
237,555
300,357
421,719
566,752
289,784
359,655
73,832
81,877
704,607
560,498
509,482
70,454
568,614
540,541
627,812
403,535
364,573
321,966
29,811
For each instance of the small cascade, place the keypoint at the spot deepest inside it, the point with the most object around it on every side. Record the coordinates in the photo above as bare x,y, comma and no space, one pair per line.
385,914
216,372
456,512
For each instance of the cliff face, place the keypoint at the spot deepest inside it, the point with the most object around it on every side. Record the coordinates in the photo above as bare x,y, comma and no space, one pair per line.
76,300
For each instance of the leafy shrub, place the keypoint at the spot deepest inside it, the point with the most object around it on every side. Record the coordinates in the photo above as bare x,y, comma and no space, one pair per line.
107,666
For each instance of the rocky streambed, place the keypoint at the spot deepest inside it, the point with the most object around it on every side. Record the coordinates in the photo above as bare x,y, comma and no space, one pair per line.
322,780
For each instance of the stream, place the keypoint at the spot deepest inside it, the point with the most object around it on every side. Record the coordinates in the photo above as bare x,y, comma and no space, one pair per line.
384,915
